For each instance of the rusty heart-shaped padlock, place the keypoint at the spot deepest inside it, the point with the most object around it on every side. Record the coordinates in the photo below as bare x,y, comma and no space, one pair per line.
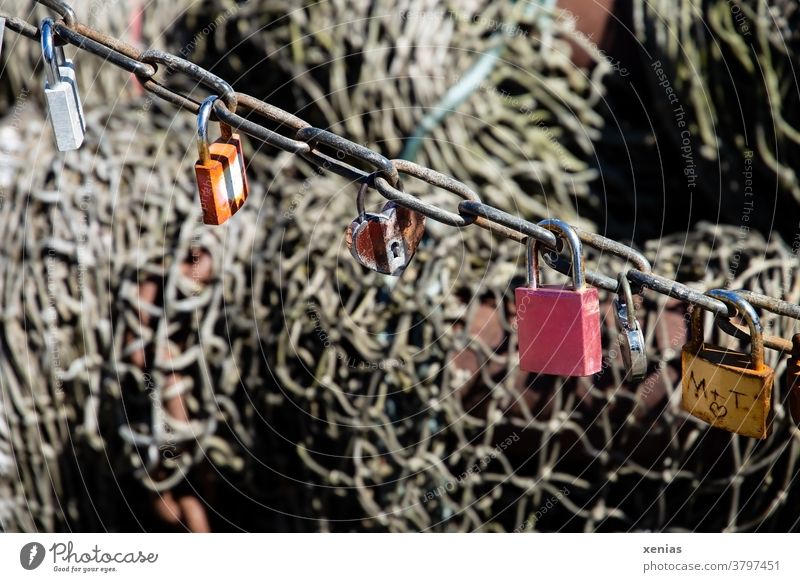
384,242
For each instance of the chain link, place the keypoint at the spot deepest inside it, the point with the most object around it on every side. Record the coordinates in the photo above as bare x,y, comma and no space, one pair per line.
380,173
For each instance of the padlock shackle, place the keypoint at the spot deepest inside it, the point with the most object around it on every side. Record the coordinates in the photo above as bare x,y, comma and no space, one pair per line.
625,293
362,193
203,118
566,232
53,56
745,310
625,297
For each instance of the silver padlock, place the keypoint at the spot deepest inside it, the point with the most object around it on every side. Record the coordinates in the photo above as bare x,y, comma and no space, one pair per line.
67,70
61,90
631,339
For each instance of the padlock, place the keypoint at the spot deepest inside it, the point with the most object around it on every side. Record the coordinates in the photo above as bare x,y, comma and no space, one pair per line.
67,70
220,171
631,339
728,389
793,380
559,325
384,242
61,91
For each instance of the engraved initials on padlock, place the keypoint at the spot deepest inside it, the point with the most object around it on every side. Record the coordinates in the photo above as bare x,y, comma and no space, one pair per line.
559,326
631,339
221,176
61,91
728,389
384,242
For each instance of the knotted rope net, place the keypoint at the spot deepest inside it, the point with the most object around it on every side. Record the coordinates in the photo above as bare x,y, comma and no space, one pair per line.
158,373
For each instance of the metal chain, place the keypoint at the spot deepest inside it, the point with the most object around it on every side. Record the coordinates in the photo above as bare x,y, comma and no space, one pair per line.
366,164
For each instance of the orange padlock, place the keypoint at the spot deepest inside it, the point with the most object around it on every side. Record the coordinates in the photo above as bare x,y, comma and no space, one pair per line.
220,172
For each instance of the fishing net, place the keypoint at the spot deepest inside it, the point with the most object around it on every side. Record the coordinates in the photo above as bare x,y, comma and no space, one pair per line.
157,373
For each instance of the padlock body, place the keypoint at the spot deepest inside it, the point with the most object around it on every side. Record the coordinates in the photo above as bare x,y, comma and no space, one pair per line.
631,342
65,117
723,388
559,330
386,242
244,190
377,245
67,72
222,181
634,356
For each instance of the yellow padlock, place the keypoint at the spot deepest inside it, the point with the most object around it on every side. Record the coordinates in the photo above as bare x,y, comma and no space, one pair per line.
727,389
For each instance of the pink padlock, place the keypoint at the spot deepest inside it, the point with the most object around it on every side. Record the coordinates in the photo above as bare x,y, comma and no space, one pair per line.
559,325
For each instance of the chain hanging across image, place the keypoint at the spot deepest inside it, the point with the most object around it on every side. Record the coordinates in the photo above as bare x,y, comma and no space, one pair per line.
368,169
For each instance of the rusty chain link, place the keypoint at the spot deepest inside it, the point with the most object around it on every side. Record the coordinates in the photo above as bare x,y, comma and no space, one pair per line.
287,338
371,164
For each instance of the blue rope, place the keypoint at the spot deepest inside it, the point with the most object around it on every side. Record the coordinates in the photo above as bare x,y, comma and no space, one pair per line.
466,86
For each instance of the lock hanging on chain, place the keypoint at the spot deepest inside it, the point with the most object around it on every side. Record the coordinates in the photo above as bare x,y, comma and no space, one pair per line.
631,338
61,92
384,242
558,325
728,389
220,169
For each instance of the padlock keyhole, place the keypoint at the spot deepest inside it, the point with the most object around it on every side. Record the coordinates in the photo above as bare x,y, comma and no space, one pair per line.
395,250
